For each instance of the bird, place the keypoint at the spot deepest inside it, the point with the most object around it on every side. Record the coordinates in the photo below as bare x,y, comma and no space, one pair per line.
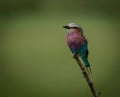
77,43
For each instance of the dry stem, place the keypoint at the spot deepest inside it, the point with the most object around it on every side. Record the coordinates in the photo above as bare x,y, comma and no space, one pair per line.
85,74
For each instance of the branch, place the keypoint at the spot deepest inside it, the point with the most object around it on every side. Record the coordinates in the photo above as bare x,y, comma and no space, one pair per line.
85,74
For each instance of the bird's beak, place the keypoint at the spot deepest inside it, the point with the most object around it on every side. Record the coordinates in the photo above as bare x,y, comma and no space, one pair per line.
67,27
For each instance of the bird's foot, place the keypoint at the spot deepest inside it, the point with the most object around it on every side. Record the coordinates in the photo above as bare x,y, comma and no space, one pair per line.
75,56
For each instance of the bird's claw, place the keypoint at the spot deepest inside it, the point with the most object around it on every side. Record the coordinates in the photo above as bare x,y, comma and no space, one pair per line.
75,56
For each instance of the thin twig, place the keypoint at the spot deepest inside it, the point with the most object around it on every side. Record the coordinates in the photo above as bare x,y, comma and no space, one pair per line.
85,74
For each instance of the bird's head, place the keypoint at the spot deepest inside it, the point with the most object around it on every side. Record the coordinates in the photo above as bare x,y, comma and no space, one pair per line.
72,27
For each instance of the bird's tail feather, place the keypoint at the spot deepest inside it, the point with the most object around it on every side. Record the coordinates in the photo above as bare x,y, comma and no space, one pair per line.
89,69
86,63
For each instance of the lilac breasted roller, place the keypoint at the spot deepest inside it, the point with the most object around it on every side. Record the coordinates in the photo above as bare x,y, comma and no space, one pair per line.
77,42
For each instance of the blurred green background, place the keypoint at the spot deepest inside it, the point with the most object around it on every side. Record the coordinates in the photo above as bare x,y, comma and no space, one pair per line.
35,60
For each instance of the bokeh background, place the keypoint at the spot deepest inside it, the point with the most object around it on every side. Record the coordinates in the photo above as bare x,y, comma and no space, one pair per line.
34,58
